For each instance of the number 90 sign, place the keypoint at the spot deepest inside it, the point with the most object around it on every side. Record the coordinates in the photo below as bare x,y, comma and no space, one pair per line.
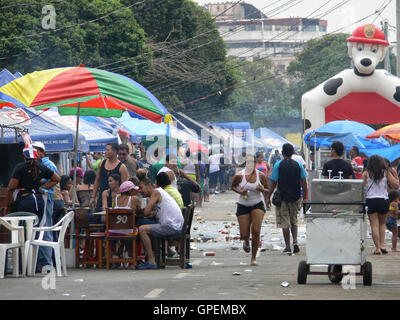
122,219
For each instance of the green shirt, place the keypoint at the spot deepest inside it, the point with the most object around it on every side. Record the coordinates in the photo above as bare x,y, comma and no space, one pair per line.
96,165
160,164
174,193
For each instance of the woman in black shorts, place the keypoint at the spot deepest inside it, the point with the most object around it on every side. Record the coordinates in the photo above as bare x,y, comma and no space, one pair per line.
250,185
376,179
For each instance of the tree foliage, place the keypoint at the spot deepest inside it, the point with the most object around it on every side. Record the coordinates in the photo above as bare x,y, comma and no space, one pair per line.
189,56
76,38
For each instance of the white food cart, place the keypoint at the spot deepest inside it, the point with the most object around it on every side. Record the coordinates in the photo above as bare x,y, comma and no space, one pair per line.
336,229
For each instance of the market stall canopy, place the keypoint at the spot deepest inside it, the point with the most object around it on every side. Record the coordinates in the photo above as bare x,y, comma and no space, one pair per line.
200,129
391,132
96,92
271,139
235,142
391,153
56,138
350,133
95,137
6,76
148,130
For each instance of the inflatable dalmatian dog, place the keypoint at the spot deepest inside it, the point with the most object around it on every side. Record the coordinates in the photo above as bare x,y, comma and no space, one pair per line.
361,94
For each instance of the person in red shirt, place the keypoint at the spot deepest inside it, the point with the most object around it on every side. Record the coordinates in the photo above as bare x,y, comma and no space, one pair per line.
356,162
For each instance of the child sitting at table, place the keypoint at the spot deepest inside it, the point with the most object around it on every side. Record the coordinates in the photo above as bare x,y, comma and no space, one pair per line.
393,215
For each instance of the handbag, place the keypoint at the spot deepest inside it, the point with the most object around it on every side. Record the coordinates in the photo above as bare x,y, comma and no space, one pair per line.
277,199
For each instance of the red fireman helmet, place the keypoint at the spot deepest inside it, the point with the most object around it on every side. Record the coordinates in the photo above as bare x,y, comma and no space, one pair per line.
368,33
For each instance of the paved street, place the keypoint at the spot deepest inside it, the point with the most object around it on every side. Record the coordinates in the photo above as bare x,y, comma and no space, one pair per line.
212,277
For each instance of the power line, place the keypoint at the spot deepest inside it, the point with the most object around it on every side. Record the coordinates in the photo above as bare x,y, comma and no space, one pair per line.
238,29
225,89
247,50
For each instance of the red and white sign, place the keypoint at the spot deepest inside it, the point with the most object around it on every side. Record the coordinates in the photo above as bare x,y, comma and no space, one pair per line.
16,116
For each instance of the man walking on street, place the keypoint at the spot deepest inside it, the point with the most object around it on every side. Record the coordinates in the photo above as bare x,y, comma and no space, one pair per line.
290,177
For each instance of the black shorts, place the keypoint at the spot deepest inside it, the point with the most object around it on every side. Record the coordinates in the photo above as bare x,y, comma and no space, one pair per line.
214,177
379,205
241,209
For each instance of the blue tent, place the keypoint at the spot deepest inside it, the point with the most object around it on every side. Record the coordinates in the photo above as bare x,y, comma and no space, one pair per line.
350,133
6,77
271,139
233,125
55,138
144,128
96,137
391,153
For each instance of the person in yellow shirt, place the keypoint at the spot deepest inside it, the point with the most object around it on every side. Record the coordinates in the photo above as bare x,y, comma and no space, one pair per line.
393,215
163,181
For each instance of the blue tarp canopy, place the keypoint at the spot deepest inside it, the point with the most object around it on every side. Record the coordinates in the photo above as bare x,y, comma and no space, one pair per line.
143,128
271,139
147,128
116,124
96,137
233,125
391,153
350,133
6,77
55,138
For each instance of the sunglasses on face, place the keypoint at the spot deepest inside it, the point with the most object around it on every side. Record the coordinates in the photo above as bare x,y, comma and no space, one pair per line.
122,154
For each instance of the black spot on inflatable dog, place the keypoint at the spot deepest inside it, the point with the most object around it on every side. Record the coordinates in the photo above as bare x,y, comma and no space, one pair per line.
331,86
397,94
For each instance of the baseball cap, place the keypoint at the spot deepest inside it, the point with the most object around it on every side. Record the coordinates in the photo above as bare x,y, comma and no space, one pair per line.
38,144
79,172
126,186
30,152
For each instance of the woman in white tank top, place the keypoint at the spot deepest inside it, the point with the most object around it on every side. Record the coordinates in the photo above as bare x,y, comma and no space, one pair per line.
376,178
250,184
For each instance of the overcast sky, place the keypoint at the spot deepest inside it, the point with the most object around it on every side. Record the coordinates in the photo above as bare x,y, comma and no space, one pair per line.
349,13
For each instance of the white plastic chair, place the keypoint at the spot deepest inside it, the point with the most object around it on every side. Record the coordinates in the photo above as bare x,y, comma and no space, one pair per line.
15,245
58,247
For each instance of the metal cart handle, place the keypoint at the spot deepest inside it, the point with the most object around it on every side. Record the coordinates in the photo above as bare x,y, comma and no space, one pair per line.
333,203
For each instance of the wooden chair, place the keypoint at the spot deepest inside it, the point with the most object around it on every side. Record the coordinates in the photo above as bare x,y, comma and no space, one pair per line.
183,238
120,225
83,231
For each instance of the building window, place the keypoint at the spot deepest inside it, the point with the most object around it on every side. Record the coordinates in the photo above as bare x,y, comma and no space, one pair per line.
322,28
294,28
217,8
277,28
251,27
268,27
310,28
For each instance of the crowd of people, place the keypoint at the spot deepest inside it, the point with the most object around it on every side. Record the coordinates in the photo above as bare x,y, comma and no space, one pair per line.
158,192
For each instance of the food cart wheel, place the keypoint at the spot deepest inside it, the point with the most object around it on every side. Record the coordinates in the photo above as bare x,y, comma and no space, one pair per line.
367,273
335,268
302,272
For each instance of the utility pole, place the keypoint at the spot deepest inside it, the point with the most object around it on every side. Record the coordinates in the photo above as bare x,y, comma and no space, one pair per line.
385,27
398,36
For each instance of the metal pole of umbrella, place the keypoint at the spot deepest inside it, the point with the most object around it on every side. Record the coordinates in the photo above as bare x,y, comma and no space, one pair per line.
75,165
